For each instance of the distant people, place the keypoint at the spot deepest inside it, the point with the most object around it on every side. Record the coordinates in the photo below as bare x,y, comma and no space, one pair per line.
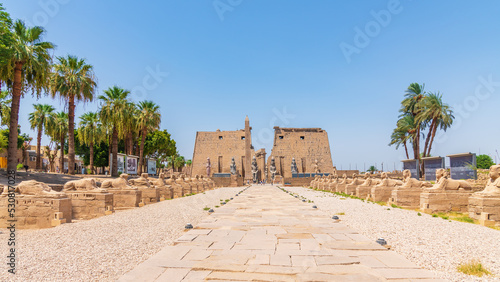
26,167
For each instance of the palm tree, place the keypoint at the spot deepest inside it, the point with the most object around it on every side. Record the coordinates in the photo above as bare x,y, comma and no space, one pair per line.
438,114
131,130
372,169
411,105
5,101
58,130
149,119
403,133
113,113
40,118
89,133
179,162
73,79
31,64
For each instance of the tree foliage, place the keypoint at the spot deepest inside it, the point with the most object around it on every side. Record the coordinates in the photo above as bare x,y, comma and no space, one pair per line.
484,162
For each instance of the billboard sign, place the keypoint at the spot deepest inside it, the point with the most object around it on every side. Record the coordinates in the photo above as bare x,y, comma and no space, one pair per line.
430,166
462,166
152,166
413,167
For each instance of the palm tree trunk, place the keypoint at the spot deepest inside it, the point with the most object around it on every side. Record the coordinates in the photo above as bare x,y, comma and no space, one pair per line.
61,160
71,133
130,143
406,150
432,139
141,151
38,145
92,157
429,137
14,116
114,152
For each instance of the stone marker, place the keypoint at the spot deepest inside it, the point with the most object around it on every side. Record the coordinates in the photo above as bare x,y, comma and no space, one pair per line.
37,206
485,205
87,200
149,192
408,194
446,195
124,195
382,191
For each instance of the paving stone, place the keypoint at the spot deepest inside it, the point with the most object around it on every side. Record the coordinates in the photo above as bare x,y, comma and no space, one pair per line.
265,235
280,260
172,274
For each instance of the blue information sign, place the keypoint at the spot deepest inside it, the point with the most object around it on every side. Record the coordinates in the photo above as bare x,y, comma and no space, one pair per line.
413,167
462,166
430,166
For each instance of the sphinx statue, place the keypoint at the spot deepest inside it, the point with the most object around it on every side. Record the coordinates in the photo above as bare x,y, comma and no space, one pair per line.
176,188
443,183
383,190
364,189
484,206
34,188
409,182
313,182
36,206
387,182
446,195
341,183
117,183
165,190
492,188
149,192
86,184
350,189
332,186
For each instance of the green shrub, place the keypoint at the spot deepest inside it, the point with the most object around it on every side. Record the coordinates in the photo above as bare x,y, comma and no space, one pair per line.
419,214
473,267
434,215
20,166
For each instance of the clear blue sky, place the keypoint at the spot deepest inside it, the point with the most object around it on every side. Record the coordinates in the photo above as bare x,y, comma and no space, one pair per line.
227,59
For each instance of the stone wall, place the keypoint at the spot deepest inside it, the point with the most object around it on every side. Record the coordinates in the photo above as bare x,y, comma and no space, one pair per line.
305,145
226,181
220,147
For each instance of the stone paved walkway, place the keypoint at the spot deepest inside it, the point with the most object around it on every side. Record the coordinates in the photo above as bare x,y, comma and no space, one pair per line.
265,234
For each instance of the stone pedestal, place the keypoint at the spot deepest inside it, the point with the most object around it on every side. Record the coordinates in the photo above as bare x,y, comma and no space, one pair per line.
408,198
166,192
381,193
88,205
340,188
149,195
445,201
34,212
486,209
234,181
176,191
363,191
126,198
350,189
332,187
186,189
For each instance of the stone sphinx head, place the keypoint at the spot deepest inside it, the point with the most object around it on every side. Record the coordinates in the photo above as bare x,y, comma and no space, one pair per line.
367,175
161,175
441,172
384,175
406,174
145,175
124,176
494,172
354,175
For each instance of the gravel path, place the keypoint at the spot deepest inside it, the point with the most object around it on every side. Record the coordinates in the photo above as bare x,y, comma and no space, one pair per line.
105,248
430,242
